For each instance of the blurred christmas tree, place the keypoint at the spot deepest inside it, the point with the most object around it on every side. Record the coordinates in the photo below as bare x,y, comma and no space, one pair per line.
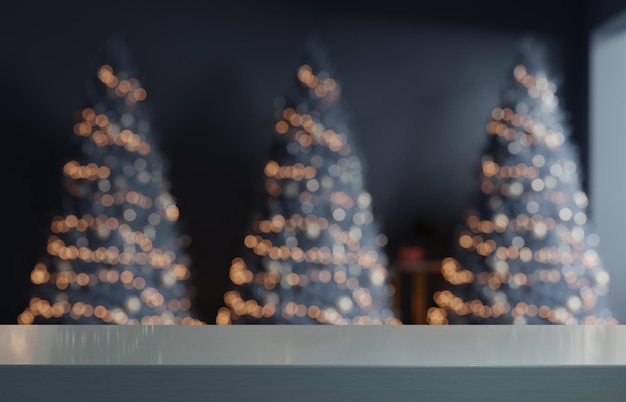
314,255
115,256
526,254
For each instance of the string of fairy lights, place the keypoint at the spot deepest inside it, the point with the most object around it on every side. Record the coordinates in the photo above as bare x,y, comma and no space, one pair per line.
115,257
315,256
527,253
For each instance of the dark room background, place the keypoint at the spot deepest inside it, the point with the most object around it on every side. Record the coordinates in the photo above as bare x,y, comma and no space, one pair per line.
419,80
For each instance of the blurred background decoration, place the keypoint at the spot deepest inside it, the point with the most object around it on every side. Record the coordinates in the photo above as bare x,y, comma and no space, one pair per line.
526,253
314,254
114,255
419,81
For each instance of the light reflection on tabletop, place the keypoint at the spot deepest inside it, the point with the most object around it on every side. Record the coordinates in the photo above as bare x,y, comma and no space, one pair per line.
372,346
